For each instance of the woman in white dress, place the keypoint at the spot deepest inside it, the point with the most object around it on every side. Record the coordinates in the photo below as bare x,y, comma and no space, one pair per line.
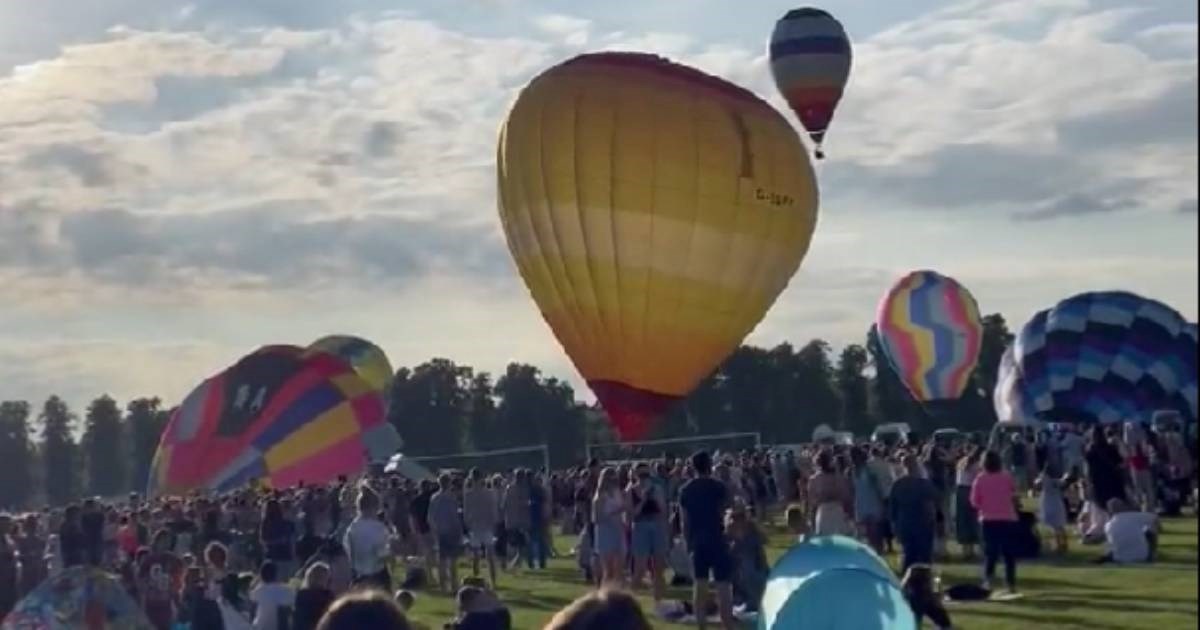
833,497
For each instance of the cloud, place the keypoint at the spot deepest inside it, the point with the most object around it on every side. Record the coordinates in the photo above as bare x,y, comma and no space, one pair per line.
1073,205
985,103
203,180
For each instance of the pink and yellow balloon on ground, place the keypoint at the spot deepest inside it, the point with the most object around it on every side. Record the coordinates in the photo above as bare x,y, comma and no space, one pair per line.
930,330
281,415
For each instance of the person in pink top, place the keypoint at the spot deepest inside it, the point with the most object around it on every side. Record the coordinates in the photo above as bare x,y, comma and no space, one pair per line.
993,495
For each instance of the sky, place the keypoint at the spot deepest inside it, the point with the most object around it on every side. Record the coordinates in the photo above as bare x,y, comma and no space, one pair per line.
181,182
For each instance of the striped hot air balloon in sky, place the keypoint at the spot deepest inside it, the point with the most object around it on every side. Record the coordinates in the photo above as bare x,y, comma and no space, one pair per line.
930,330
810,60
655,213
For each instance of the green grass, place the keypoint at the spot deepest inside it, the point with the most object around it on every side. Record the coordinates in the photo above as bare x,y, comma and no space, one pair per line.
1058,593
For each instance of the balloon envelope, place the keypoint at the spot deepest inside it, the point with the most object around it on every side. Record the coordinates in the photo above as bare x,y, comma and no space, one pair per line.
279,415
930,330
1107,357
1012,407
810,61
655,213
367,359
77,598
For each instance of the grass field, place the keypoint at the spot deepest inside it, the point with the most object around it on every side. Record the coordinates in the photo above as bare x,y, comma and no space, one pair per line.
1058,593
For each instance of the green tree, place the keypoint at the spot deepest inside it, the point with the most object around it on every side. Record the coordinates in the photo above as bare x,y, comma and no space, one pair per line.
852,386
145,422
16,451
890,400
537,410
481,413
428,407
102,453
60,455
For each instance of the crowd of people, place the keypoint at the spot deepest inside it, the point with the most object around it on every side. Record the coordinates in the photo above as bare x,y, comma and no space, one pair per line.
307,557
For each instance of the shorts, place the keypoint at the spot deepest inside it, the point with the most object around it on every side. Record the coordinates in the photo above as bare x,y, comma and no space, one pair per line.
711,561
649,539
481,539
449,545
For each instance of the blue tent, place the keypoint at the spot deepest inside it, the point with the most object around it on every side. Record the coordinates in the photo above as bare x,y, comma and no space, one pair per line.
833,583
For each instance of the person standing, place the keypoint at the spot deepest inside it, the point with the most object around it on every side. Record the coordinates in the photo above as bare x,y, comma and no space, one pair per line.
830,492
447,526
609,508
914,514
702,503
994,495
868,500
966,519
366,543
649,537
480,516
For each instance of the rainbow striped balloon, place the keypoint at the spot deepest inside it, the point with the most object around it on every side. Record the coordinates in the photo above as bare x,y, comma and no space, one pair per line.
930,330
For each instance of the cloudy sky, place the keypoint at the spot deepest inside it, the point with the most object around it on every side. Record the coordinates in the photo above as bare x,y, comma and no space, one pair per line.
181,182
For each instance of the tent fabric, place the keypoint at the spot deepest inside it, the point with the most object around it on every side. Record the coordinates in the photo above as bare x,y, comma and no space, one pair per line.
404,466
78,598
826,581
845,599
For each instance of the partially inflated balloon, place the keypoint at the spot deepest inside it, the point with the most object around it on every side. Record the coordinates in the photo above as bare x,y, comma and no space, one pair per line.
810,60
367,359
930,330
1107,357
655,213
280,416
1012,407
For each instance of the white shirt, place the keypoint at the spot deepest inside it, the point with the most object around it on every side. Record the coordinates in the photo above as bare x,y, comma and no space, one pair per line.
1126,534
268,598
366,543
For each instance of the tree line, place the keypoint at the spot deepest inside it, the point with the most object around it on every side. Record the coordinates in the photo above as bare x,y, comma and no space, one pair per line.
442,407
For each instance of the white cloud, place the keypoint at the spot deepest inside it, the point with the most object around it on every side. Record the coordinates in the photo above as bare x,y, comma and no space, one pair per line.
201,183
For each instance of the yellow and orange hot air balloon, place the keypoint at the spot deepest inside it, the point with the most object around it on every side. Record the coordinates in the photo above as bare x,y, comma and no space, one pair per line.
655,213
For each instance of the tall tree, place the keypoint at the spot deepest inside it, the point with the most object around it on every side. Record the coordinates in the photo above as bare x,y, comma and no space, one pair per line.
16,452
428,407
481,413
890,401
145,421
814,376
59,451
102,448
852,386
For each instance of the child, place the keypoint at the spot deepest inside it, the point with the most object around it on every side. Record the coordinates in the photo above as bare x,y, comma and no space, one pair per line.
1052,508
923,598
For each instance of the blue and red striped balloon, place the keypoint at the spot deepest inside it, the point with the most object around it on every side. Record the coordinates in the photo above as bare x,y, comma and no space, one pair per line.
810,61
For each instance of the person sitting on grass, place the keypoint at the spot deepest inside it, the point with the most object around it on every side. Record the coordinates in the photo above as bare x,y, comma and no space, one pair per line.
749,558
601,610
406,600
797,522
1132,536
364,609
478,609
